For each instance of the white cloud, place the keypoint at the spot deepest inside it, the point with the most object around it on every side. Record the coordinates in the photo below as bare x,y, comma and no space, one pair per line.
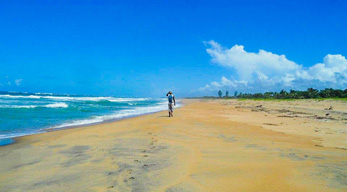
247,63
266,71
215,84
332,67
18,81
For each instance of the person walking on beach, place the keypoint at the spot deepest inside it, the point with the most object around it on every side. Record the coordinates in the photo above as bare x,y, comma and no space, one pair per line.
172,102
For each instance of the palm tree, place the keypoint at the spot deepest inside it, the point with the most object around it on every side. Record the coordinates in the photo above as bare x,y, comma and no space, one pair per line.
313,93
220,93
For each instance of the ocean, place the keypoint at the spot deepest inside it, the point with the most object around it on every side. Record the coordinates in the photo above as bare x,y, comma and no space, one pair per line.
30,113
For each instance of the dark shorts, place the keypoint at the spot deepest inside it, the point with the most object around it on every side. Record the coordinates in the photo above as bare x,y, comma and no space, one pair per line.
171,107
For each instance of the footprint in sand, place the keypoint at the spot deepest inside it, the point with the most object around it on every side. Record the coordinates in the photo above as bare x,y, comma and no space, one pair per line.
136,161
145,155
144,151
145,165
132,178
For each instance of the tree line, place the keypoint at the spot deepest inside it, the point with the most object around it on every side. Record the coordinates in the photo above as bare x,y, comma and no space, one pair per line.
310,93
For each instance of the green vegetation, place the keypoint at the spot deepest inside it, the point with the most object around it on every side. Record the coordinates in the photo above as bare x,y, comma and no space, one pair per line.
220,93
292,94
226,94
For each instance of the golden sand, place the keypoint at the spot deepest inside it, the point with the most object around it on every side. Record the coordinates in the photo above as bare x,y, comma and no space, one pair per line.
217,145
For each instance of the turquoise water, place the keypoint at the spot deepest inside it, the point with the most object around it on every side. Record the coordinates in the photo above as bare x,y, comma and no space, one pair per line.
24,113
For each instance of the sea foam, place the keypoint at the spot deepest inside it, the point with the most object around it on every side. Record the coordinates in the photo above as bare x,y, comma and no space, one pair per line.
118,115
52,105
29,113
75,98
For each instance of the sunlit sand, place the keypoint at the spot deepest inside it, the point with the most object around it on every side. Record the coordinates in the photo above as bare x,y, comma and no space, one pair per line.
209,145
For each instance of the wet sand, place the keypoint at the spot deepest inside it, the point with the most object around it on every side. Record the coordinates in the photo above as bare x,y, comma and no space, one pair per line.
209,145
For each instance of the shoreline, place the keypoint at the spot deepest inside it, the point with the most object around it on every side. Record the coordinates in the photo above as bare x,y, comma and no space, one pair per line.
77,127
13,140
206,146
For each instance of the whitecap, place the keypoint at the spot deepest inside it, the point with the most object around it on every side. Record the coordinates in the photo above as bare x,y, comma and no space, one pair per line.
118,115
20,96
57,105
67,98
18,106
52,105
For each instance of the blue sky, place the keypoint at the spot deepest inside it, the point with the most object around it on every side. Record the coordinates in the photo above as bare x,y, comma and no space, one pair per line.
144,48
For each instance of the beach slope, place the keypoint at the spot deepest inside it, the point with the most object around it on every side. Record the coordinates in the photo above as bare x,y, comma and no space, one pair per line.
217,145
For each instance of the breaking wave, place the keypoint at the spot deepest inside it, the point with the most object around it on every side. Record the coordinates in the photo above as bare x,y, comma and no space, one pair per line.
53,105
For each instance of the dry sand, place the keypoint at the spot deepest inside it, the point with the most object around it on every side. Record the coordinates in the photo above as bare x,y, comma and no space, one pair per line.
210,145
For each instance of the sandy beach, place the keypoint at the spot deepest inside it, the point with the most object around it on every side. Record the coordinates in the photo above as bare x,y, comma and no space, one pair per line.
209,145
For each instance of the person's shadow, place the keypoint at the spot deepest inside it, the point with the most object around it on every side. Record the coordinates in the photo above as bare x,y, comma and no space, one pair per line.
164,116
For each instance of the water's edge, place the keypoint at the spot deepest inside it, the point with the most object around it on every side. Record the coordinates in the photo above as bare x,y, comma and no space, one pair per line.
12,140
